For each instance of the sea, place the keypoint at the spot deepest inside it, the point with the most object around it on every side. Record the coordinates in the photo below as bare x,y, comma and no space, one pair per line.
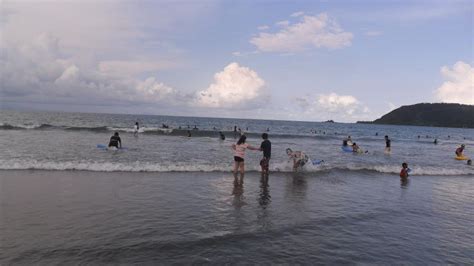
169,197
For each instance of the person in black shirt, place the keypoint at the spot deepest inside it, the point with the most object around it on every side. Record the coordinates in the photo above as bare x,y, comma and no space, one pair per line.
221,135
266,147
388,147
115,141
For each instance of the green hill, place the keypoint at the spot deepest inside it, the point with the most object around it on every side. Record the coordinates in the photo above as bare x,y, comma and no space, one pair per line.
430,114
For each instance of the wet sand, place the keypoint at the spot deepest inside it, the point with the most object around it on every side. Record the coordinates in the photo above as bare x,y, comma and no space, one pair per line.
58,217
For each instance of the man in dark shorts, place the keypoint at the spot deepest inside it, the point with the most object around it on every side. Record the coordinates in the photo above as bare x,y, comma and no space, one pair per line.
266,147
388,146
115,141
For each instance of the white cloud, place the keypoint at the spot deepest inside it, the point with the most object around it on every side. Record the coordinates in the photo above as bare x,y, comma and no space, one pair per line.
297,14
459,87
332,106
263,27
133,67
234,87
283,23
310,32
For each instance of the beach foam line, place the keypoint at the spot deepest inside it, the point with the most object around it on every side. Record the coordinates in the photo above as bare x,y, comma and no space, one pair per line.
190,167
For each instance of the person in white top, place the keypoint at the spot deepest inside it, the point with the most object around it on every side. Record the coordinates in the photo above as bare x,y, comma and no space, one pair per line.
136,127
239,153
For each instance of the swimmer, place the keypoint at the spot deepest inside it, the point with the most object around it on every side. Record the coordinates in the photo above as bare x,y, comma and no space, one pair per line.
435,141
405,170
460,150
239,154
115,141
221,135
356,148
347,141
469,162
299,158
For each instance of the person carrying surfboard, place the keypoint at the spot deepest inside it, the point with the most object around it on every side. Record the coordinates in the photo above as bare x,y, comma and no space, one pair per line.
115,141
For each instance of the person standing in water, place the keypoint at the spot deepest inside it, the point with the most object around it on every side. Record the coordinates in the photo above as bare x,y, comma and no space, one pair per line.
388,145
221,135
115,141
239,154
136,127
405,170
266,148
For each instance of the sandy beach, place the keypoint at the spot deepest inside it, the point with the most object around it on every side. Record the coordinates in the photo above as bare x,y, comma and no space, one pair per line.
64,217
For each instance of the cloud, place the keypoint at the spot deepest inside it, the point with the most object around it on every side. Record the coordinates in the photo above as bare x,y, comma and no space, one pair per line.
234,87
310,32
297,14
42,70
459,87
332,106
263,27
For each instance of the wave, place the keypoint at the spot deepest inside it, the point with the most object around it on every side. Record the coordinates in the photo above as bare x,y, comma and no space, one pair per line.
194,167
5,126
164,131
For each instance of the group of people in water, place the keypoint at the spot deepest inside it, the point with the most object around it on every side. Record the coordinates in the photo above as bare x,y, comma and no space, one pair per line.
298,158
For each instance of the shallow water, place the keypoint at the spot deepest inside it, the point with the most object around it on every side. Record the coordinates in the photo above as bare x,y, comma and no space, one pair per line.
65,141
334,217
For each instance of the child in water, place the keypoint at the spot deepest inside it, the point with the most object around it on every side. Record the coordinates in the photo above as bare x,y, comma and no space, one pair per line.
299,158
239,153
405,170
460,150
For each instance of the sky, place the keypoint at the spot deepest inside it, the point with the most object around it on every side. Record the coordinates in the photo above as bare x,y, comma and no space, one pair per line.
286,60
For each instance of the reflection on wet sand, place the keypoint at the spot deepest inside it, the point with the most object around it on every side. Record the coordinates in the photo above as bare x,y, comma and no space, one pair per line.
404,182
264,194
238,191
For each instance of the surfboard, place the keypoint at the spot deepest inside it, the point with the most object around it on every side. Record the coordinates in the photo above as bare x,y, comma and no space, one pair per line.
317,162
106,148
461,158
346,149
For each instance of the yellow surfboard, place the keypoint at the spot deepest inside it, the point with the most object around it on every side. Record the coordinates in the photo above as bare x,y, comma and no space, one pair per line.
461,158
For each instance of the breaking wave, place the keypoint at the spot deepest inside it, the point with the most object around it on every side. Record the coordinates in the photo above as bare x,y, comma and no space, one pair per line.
194,167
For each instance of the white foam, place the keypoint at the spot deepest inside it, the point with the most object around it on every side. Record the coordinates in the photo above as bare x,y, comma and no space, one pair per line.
193,167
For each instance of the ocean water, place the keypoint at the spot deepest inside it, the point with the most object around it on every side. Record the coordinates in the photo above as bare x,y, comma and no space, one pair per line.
67,141
171,199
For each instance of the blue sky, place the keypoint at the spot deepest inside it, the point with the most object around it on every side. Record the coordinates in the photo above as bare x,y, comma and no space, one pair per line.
297,60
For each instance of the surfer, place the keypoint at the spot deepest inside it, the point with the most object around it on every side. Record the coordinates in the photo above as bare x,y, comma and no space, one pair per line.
460,150
388,144
299,158
405,170
136,127
239,153
266,148
115,141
